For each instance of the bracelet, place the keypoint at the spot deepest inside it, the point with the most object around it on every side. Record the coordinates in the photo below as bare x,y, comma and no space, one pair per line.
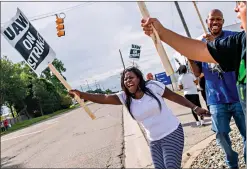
194,109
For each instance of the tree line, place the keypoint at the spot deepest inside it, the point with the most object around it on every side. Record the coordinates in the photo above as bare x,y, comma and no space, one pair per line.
23,92
26,93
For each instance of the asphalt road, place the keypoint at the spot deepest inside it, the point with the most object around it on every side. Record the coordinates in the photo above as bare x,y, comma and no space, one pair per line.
71,140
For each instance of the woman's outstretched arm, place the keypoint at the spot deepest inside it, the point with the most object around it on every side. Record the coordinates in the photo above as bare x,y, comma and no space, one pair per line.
174,97
97,98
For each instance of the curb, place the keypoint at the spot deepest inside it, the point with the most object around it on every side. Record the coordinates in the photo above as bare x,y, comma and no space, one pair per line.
190,155
137,152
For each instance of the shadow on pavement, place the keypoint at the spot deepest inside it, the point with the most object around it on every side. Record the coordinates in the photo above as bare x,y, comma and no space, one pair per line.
193,124
184,114
6,163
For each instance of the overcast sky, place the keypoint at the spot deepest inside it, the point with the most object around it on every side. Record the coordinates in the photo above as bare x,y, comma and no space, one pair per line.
96,31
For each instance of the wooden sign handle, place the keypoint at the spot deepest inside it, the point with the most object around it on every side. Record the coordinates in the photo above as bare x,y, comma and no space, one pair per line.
200,17
68,87
157,42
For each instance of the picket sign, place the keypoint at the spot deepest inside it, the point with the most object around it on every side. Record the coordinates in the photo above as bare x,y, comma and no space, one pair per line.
135,52
200,17
68,87
37,53
157,42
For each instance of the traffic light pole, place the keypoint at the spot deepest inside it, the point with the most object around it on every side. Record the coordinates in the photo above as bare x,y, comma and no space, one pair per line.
184,23
182,19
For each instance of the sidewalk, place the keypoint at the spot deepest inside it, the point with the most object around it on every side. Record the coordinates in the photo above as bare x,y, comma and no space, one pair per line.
193,134
137,154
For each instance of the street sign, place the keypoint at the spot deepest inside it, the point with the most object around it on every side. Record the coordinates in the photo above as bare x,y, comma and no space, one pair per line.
135,51
163,78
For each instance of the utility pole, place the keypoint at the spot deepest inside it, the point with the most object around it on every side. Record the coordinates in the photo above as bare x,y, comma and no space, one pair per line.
182,19
184,23
88,85
96,84
121,58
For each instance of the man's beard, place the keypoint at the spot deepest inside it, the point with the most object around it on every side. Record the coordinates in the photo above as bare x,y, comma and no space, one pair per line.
215,34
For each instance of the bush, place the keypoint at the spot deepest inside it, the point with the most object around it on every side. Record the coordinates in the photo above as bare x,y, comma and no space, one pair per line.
66,102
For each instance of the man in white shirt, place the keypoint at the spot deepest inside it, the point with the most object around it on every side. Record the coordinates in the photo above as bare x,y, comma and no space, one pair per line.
188,82
150,76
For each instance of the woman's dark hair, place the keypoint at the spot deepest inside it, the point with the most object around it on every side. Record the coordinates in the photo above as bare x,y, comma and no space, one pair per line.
182,69
142,86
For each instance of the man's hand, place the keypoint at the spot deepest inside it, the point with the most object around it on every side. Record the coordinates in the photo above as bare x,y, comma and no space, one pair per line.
72,93
202,112
190,48
201,75
147,28
209,37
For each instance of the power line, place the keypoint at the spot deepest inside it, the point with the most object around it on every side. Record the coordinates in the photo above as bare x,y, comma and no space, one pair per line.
62,10
46,15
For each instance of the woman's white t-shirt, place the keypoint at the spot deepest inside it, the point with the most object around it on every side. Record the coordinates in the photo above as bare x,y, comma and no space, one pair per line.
157,123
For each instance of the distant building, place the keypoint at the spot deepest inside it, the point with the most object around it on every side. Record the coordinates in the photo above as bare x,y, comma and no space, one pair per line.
5,110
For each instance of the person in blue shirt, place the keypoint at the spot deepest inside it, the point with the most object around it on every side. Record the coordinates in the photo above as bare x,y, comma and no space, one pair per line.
221,91
228,53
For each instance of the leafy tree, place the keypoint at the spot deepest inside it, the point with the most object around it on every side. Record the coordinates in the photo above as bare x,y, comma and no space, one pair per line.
47,74
90,91
108,91
66,101
6,72
46,95
99,91
22,90
13,88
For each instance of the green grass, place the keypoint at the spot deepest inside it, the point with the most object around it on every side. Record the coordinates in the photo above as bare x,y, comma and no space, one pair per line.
26,123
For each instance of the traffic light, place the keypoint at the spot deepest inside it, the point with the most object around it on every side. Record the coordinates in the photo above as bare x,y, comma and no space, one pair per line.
60,26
